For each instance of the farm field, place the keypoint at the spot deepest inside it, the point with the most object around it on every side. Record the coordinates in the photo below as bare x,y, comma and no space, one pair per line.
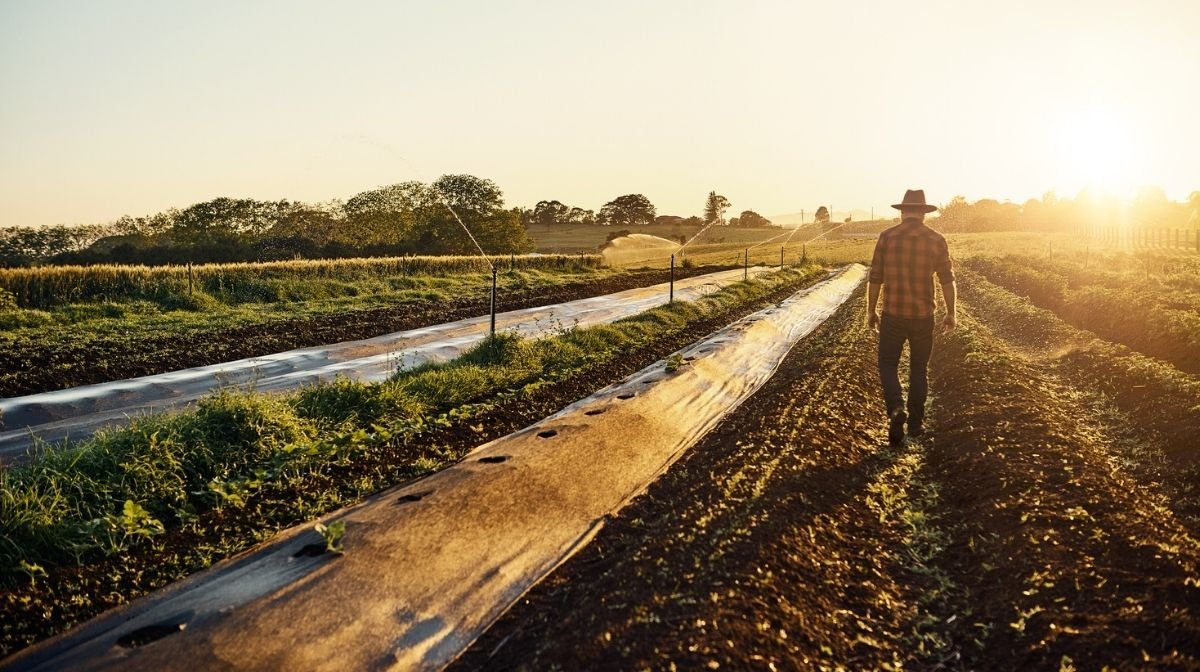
1148,301
122,337
1050,518
589,238
1047,522
79,412
66,327
222,478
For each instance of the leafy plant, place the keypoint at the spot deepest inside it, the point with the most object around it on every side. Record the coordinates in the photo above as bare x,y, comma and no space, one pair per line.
332,534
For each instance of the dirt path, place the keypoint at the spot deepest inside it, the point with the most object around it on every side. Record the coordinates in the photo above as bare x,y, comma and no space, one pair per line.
1016,537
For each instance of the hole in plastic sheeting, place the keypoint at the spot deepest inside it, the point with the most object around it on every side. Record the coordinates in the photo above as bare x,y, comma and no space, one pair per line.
494,459
311,551
627,395
595,411
547,433
413,497
148,634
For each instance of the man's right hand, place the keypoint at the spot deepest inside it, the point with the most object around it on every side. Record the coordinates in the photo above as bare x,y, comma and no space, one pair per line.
949,323
873,321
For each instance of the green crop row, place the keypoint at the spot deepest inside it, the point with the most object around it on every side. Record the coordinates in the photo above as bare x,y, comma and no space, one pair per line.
1157,316
53,286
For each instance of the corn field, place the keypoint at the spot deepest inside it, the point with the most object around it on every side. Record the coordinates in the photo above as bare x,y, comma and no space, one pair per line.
51,286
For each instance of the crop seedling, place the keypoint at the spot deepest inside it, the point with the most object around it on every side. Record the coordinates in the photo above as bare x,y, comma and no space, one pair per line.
674,362
332,534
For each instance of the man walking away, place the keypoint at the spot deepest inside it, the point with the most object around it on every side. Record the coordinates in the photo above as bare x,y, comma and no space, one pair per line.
906,257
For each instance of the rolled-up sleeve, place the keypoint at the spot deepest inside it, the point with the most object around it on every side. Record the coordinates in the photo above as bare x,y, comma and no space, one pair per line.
876,274
943,267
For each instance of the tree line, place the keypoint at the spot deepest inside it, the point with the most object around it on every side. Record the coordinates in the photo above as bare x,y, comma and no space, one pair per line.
418,218
1150,208
400,219
637,210
395,220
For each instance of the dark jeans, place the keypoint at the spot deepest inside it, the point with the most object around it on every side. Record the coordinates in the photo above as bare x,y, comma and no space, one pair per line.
893,332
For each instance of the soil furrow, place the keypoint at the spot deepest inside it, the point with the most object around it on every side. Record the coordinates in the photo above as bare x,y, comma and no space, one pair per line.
763,547
1146,413
1064,559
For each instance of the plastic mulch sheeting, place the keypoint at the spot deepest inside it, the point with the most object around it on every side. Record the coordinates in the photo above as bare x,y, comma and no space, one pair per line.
78,412
430,565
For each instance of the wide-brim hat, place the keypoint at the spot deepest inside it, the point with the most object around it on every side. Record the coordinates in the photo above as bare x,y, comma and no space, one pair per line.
914,199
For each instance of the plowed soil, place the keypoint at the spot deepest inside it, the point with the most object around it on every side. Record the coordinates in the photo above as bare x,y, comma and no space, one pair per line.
1019,533
30,367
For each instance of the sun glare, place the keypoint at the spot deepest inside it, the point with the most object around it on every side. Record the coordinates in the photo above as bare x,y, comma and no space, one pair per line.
1098,152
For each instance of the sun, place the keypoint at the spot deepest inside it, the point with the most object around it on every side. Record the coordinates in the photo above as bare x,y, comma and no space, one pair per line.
1098,151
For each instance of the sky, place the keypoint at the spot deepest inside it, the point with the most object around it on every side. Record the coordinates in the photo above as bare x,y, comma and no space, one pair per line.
110,108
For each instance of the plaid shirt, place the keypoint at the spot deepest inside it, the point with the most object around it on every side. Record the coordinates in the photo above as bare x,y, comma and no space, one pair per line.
906,257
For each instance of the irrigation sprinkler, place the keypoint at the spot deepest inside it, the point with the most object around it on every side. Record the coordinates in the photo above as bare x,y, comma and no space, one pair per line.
803,253
781,257
671,295
746,276
191,282
493,308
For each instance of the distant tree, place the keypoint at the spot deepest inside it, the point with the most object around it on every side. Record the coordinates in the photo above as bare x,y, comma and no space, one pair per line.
551,212
581,216
627,210
305,231
223,219
470,195
384,219
555,212
714,208
822,216
479,204
1151,207
750,218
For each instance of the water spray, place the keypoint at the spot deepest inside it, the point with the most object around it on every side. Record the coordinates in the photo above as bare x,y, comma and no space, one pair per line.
764,242
444,201
486,258
698,234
